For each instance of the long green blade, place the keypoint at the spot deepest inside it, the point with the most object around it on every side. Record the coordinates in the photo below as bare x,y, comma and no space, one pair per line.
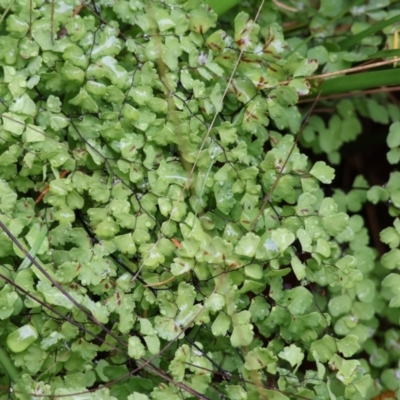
356,39
385,54
35,248
360,81
9,366
222,6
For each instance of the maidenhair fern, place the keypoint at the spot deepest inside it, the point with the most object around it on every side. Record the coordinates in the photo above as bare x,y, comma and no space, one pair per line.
164,234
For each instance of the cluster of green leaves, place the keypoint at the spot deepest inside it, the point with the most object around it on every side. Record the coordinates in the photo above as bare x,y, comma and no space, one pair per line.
182,245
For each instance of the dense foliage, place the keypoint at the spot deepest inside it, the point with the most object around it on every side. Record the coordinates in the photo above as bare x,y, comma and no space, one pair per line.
163,234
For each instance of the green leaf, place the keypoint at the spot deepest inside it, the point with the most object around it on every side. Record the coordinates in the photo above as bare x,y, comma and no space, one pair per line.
391,259
323,248
236,392
136,349
322,172
299,300
299,268
305,68
364,385
347,371
247,245
165,133
376,194
163,19
318,53
245,31
293,355
305,204
241,318
7,197
329,9
323,348
366,290
65,215
339,305
224,196
138,396
9,302
335,224
153,343
180,265
106,229
125,244
85,101
34,134
393,138
242,335
13,123
283,238
215,302
392,281
273,395
260,358
218,251
24,105
221,325
395,302
259,309
346,263
348,346
20,339
378,113
393,155
202,19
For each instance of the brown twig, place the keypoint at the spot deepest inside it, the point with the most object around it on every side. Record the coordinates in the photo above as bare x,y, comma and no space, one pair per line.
384,89
346,71
47,188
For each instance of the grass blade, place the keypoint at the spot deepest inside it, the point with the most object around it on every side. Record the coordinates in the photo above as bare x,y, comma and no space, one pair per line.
356,39
8,366
35,248
385,54
222,6
360,81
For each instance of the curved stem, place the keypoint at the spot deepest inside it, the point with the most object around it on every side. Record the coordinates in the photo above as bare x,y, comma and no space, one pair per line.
8,366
